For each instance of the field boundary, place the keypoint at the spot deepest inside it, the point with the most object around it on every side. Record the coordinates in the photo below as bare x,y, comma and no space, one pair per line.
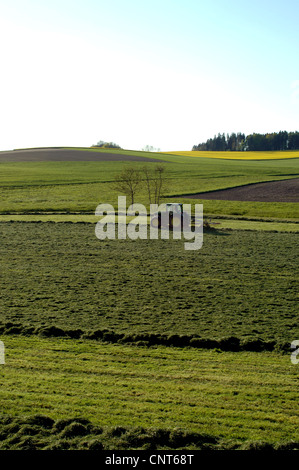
252,155
227,224
242,186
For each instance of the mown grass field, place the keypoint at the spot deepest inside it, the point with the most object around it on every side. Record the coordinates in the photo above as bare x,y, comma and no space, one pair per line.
125,344
222,399
239,283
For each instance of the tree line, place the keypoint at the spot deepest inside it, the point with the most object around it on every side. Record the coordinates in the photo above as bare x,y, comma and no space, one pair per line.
282,140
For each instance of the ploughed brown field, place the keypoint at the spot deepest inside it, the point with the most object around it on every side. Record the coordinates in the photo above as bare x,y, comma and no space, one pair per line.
273,191
64,155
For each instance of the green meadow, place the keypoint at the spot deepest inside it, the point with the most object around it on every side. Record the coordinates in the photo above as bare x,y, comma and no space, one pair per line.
135,397
241,284
80,186
122,344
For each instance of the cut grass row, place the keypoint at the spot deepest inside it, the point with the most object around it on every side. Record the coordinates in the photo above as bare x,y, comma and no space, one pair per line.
232,396
231,343
219,224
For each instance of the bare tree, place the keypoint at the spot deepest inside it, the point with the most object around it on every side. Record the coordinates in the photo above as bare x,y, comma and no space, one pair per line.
128,182
155,182
148,180
150,148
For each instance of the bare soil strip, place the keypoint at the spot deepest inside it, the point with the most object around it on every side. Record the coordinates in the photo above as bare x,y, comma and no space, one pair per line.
274,191
64,155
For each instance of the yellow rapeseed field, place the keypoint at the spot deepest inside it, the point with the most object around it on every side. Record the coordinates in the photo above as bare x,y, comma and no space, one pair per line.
239,155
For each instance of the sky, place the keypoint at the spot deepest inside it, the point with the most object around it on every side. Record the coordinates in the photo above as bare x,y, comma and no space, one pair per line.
164,73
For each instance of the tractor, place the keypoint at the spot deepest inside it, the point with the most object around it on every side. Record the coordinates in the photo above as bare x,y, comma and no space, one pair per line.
172,218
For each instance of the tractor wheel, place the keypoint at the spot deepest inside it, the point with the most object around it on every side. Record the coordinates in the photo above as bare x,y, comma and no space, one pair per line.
176,223
186,219
156,222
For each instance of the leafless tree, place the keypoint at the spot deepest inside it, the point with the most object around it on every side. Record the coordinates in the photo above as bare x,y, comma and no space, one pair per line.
128,182
150,148
155,182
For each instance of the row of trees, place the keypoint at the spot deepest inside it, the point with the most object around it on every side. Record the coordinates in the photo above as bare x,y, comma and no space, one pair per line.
112,145
132,179
282,140
150,148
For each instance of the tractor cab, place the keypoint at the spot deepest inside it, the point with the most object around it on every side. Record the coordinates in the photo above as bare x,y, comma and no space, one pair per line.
174,207
174,219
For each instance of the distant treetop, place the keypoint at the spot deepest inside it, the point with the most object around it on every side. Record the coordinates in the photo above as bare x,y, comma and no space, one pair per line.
150,148
106,145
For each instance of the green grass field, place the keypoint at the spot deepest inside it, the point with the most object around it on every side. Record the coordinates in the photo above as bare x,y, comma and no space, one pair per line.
81,186
223,399
122,344
62,275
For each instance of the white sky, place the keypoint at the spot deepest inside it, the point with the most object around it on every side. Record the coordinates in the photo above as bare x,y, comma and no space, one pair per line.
164,73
